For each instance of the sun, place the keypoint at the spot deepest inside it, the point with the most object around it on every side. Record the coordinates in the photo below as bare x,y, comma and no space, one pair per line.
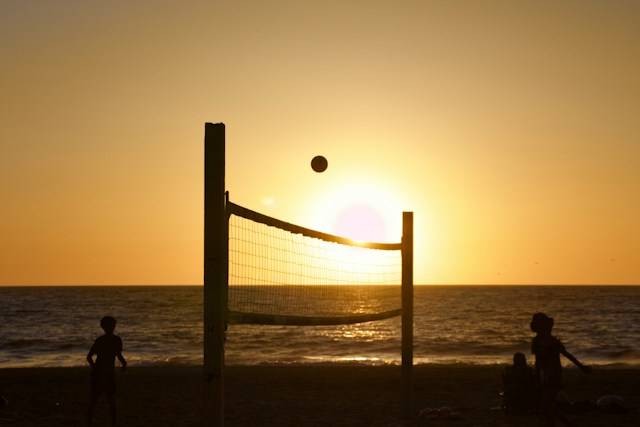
362,211
360,222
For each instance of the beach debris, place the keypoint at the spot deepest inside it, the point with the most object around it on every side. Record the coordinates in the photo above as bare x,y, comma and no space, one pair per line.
611,404
443,412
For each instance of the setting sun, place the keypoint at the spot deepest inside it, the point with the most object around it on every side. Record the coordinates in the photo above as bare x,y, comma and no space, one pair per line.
360,222
362,211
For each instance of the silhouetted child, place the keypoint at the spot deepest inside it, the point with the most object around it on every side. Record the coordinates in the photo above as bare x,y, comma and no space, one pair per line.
103,380
547,350
519,386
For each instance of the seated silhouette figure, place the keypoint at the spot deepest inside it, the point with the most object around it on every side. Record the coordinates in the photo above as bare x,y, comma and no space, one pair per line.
103,380
519,387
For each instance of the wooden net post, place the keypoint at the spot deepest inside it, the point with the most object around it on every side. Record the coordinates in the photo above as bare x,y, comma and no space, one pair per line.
407,316
215,272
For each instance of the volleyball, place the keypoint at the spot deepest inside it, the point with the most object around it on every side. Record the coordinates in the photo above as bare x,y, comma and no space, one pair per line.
319,164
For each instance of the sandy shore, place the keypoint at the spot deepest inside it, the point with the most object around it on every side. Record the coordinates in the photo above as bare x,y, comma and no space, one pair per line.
294,396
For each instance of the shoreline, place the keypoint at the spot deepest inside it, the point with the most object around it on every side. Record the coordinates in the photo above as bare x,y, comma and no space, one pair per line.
295,395
329,363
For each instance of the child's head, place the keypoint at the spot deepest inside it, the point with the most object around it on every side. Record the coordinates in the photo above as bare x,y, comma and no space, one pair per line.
519,360
541,323
108,323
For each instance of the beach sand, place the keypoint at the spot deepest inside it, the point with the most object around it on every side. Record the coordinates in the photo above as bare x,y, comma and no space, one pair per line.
336,395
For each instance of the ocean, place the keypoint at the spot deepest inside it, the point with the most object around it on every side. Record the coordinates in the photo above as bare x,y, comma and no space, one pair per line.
55,326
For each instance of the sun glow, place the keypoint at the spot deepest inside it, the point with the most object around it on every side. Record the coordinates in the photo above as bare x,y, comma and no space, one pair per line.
364,212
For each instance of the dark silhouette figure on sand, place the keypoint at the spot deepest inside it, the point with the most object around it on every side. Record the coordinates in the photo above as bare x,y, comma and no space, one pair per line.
547,350
519,386
103,380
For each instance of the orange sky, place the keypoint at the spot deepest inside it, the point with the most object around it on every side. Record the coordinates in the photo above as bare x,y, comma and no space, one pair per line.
510,128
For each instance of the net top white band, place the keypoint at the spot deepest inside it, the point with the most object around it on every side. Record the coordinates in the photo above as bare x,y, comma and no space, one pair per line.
233,209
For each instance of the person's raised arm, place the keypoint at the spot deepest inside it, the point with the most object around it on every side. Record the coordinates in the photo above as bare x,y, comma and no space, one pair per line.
584,368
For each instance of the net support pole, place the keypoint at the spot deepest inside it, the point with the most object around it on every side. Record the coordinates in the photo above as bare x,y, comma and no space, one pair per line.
215,273
407,316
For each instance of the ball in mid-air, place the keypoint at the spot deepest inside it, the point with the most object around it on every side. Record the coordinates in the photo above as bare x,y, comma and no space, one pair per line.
319,163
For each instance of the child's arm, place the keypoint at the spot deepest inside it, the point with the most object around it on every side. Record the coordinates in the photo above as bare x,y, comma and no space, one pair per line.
575,361
536,364
119,355
90,357
122,360
536,373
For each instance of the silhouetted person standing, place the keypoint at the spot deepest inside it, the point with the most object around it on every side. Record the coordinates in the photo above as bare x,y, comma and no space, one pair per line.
103,379
547,350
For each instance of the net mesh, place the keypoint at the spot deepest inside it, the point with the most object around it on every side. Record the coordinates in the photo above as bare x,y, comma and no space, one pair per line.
277,272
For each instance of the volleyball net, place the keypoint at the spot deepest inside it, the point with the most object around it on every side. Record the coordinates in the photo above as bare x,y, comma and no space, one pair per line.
261,270
284,274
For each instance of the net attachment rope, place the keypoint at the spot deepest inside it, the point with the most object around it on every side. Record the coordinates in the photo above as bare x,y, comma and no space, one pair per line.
285,274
